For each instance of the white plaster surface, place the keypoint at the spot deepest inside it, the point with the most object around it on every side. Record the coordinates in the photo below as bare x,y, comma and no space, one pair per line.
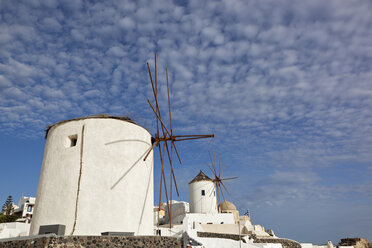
178,210
306,245
268,245
116,185
14,229
229,243
202,203
192,221
221,228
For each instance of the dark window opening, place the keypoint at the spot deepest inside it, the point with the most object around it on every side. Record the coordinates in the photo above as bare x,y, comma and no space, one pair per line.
73,140
203,192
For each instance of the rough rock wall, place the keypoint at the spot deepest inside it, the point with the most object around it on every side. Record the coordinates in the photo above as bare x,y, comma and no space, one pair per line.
356,242
93,242
221,236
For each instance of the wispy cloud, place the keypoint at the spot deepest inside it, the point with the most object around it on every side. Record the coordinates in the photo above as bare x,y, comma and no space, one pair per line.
284,85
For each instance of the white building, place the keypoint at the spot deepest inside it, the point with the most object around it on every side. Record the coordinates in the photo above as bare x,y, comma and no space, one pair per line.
202,224
21,227
94,179
202,195
25,209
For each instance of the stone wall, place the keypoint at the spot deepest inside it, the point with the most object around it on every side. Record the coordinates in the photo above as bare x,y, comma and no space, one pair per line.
221,236
286,243
356,242
92,242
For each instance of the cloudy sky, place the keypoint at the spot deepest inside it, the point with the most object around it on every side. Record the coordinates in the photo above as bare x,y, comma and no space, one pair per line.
285,86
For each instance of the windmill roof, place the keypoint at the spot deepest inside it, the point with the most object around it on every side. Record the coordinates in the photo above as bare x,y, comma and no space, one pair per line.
200,177
100,116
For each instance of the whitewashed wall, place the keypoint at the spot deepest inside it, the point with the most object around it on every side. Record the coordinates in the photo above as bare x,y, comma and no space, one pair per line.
101,184
202,203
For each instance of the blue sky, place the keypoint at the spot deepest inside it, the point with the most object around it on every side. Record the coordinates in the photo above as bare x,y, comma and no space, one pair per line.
285,86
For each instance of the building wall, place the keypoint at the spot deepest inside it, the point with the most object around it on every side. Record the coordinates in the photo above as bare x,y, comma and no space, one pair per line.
178,210
14,229
100,184
192,221
202,203
25,207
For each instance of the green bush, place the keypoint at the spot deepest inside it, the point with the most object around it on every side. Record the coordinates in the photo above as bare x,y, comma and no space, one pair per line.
7,218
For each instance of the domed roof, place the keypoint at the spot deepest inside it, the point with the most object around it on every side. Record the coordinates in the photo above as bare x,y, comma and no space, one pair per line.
226,206
201,177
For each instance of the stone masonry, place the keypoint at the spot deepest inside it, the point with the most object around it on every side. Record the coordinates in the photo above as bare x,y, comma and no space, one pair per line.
52,241
356,242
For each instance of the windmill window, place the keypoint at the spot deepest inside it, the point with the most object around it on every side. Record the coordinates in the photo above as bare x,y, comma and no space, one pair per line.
72,140
203,192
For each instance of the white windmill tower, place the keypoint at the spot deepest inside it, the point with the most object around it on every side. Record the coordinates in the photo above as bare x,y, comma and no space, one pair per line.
93,179
202,195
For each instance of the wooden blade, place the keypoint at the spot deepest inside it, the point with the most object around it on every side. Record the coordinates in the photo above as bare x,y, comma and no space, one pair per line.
162,171
174,177
161,184
203,137
214,162
195,135
156,94
169,106
225,188
223,169
178,155
210,168
222,192
170,157
229,178
219,169
218,194
152,147
214,186
214,170
170,189
156,76
152,83
154,91
157,115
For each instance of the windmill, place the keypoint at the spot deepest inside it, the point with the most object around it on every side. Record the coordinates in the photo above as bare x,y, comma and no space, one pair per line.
218,180
164,135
